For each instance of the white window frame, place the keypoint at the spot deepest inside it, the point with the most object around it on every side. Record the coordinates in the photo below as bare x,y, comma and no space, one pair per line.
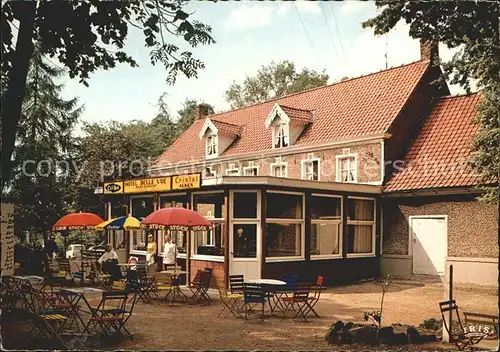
204,257
233,170
303,166
281,128
329,221
287,222
163,233
279,164
339,163
365,222
212,142
251,167
131,233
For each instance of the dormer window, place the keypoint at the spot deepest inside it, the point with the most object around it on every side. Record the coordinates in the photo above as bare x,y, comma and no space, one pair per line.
281,135
212,146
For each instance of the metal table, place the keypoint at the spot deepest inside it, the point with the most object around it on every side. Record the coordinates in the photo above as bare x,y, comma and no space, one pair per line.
76,295
175,283
270,286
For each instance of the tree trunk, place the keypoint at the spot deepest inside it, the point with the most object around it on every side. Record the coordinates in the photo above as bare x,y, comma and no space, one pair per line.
24,11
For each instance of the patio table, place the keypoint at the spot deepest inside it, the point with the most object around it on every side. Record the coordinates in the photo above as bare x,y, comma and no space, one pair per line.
77,295
175,283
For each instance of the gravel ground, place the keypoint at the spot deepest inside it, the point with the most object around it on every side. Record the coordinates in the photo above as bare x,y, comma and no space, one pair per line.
191,327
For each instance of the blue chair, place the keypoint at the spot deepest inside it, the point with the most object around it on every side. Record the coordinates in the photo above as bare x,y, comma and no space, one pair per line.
253,294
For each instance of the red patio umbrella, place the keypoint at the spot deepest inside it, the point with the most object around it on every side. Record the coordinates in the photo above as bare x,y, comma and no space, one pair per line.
77,221
177,219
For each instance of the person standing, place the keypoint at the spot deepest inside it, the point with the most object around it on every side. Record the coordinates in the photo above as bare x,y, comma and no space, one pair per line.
151,250
168,252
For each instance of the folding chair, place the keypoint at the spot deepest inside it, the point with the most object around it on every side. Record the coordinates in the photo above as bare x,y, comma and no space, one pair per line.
236,283
99,277
200,289
166,286
109,315
314,299
48,324
142,287
253,294
230,301
65,272
299,299
283,291
457,334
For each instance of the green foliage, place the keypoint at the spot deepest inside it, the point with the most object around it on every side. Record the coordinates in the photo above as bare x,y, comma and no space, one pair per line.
273,81
474,29
432,324
86,237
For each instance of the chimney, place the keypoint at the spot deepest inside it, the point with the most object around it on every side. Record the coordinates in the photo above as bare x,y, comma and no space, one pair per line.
201,111
429,50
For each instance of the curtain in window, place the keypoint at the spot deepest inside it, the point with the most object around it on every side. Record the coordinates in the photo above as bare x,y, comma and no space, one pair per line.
362,238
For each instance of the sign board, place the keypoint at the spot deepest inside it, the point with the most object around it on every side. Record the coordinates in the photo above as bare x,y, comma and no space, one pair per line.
7,239
156,184
113,187
189,181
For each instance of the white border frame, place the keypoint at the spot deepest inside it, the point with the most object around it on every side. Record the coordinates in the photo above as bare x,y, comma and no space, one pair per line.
337,166
246,221
302,222
341,232
131,233
302,167
365,222
256,167
204,257
410,242
233,167
278,163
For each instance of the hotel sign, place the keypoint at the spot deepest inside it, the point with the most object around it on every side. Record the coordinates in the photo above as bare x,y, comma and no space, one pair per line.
186,181
153,184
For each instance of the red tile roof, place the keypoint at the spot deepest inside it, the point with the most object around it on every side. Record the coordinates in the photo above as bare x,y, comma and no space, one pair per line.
227,129
437,157
356,107
299,116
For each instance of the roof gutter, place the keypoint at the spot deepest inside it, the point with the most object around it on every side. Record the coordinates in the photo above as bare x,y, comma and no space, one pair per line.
432,192
270,152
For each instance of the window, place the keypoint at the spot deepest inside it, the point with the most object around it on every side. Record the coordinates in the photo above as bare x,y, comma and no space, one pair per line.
347,169
279,169
232,170
310,169
360,226
326,229
251,171
281,135
140,208
285,225
212,145
212,207
245,216
117,209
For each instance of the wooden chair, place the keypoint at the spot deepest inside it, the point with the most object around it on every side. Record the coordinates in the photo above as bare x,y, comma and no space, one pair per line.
314,299
298,301
236,283
230,301
110,314
253,294
458,335
65,272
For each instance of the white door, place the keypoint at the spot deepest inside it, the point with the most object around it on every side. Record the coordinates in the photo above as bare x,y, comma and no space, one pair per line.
429,243
244,235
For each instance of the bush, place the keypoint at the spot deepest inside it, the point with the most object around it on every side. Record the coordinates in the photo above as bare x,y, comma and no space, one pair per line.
30,257
431,324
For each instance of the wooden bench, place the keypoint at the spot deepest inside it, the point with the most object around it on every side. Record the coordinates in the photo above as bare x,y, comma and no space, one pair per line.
482,323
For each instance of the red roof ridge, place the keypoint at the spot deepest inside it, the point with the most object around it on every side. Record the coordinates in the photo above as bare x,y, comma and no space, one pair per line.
224,122
320,87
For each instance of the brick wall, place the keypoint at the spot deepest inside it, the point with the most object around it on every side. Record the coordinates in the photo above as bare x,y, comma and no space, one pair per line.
472,226
217,273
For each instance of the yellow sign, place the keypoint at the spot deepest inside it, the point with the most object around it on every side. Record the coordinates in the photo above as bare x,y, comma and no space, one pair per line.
186,181
155,184
113,187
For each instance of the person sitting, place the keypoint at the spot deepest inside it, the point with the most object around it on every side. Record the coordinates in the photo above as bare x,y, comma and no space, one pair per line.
109,263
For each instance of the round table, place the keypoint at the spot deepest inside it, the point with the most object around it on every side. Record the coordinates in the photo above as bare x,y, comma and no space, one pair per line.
267,282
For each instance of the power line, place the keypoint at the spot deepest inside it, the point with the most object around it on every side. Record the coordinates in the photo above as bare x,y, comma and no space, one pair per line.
329,30
337,27
305,30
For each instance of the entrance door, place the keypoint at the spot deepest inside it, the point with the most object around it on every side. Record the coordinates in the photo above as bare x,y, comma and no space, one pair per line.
429,243
244,234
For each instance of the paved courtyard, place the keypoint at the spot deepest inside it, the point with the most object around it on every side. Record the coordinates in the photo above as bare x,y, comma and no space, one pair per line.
191,327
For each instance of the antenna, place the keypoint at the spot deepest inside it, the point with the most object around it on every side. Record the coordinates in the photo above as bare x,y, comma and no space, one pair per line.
386,50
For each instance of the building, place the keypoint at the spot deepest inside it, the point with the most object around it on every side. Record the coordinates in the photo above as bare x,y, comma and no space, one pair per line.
295,185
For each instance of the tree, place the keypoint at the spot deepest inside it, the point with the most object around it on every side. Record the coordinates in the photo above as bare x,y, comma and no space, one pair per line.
43,140
273,81
474,29
85,36
186,114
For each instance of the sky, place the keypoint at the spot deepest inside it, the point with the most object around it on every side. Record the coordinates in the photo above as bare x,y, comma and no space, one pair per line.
249,34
